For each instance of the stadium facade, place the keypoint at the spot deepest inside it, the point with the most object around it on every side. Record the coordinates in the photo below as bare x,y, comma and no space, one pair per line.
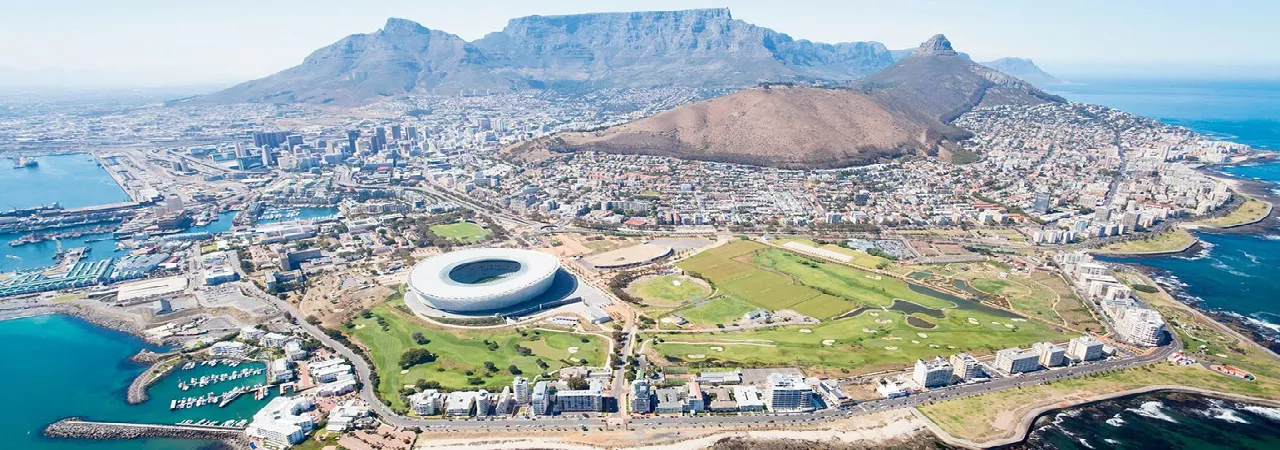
481,279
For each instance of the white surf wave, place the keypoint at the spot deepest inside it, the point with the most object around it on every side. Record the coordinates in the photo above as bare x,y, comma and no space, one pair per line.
1270,413
1228,415
1116,421
1154,410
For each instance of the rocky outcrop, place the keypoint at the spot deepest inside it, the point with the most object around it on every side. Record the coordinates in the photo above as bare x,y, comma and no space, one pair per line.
938,45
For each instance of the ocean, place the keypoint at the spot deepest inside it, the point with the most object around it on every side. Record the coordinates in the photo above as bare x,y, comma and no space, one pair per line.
1159,421
57,366
1231,273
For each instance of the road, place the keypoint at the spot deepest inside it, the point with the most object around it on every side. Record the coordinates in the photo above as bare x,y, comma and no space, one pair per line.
571,421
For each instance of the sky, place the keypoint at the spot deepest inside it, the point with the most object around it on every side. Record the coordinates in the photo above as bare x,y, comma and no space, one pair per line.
153,42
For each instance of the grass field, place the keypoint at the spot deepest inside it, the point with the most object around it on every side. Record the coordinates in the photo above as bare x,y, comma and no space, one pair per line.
459,351
668,290
1250,211
777,279
992,416
874,340
1040,294
1169,241
461,231
859,258
723,309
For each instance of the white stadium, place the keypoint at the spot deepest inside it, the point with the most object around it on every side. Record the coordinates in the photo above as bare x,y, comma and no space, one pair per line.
481,279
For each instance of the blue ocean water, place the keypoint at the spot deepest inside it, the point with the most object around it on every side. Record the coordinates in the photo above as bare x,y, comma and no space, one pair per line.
1233,272
58,366
74,180
1242,111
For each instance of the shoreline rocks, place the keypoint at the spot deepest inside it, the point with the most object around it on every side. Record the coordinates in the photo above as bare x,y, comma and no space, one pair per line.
74,428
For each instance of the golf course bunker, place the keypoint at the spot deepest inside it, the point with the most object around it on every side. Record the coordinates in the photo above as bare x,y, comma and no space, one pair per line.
919,323
908,308
828,342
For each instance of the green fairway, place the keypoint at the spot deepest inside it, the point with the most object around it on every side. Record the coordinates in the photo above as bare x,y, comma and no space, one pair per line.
460,231
860,258
668,290
459,351
723,309
777,279
989,286
872,341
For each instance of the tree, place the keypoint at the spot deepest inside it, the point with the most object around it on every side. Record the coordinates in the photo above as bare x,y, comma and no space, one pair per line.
420,339
578,384
514,370
415,356
489,366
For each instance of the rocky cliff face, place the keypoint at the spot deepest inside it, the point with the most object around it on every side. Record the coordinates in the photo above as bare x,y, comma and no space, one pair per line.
705,47
1024,69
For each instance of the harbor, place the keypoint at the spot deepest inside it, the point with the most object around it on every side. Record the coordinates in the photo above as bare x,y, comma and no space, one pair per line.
218,392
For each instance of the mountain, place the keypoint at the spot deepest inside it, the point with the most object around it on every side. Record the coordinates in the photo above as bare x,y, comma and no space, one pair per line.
903,110
788,127
936,85
699,48
1025,69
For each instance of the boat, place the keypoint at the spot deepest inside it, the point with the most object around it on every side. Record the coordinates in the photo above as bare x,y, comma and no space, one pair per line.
24,163
173,404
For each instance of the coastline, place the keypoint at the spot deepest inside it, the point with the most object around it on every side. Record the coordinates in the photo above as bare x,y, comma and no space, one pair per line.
86,313
1027,423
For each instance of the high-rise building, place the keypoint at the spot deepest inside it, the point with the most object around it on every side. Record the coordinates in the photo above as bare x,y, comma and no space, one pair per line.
1041,203
395,132
520,385
786,392
267,160
541,399
1015,360
379,139
413,133
269,139
1050,355
352,135
965,366
1084,348
933,373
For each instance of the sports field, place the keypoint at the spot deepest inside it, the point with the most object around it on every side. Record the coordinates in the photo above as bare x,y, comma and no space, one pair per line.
777,279
668,290
460,231
722,310
460,351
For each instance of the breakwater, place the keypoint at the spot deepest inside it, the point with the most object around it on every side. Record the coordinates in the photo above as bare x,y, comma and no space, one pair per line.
138,388
74,428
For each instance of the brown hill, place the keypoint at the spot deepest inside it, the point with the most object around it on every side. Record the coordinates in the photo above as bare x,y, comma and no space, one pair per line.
787,127
903,110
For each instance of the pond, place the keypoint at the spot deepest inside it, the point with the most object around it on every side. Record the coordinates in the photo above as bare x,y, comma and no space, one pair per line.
961,303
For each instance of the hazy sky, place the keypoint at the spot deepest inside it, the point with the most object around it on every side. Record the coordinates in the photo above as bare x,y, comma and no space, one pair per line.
225,41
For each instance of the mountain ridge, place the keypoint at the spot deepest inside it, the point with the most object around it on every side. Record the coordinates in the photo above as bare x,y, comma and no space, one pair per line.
903,110
696,48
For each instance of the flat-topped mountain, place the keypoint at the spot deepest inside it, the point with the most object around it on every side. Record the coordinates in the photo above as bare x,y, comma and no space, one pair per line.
698,48
904,110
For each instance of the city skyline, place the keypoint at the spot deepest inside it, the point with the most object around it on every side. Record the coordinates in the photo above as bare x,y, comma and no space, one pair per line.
152,43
